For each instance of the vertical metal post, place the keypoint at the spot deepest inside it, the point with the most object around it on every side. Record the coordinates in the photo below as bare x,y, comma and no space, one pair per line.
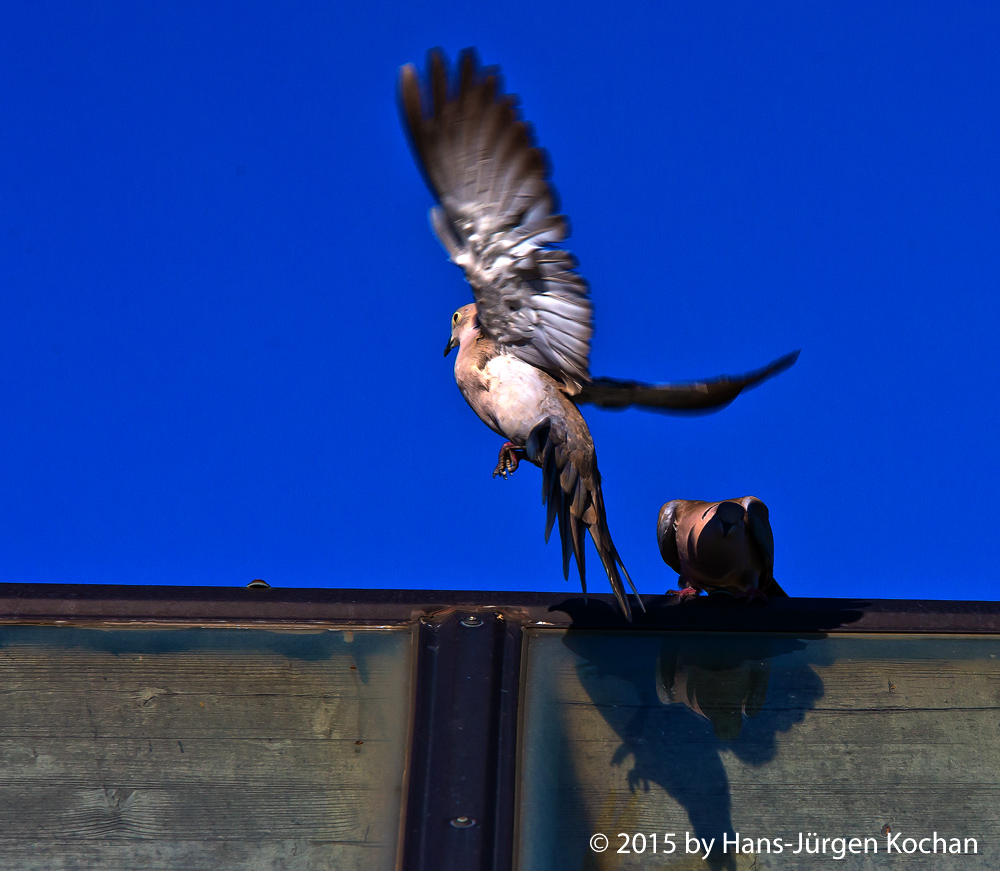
460,807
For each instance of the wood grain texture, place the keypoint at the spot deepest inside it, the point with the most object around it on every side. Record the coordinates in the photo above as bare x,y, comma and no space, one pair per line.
856,732
201,749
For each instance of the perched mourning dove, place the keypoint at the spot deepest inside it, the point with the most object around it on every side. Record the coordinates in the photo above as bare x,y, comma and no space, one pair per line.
524,345
719,546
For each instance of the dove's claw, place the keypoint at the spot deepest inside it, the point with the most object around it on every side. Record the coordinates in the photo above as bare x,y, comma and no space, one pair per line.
685,593
509,459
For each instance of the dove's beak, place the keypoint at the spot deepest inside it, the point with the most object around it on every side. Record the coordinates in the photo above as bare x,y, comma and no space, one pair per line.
451,344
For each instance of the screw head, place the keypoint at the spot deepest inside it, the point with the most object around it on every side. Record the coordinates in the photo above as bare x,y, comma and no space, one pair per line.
462,822
472,620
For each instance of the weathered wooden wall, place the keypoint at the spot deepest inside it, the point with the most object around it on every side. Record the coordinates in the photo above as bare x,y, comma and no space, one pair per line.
201,750
855,732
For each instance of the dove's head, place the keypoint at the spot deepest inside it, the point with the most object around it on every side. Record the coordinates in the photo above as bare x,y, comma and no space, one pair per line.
729,514
463,322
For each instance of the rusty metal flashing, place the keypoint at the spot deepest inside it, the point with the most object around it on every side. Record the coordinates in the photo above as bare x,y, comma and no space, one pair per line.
305,608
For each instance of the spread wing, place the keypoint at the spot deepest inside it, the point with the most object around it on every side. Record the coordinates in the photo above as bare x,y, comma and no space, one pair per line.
496,215
695,397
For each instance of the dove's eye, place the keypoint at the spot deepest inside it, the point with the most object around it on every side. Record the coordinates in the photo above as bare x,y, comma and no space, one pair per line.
455,317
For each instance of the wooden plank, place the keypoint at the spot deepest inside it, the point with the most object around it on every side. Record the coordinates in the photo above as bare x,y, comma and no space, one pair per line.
180,855
855,733
159,683
216,749
250,761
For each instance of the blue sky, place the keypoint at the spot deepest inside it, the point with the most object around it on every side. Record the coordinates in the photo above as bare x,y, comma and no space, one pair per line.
223,310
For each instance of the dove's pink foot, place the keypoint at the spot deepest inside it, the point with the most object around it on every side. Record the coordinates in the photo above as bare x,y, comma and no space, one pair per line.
509,459
685,593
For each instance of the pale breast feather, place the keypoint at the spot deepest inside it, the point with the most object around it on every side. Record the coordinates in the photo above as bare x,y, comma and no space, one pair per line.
519,395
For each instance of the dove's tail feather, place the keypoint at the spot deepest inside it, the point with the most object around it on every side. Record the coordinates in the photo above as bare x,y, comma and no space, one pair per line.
601,535
573,495
771,587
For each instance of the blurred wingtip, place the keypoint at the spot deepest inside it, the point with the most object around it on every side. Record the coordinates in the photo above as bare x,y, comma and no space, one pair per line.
787,361
775,367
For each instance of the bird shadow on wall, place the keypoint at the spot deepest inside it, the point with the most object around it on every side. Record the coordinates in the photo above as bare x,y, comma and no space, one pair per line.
679,700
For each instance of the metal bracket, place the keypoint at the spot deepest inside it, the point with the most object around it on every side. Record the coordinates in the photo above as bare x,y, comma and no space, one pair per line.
460,808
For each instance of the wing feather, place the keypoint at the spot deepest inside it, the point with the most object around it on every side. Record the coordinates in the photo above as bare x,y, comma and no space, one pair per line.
759,521
497,214
694,397
666,534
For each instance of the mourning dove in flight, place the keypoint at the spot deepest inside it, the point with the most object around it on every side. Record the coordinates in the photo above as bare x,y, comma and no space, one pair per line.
524,345
719,546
